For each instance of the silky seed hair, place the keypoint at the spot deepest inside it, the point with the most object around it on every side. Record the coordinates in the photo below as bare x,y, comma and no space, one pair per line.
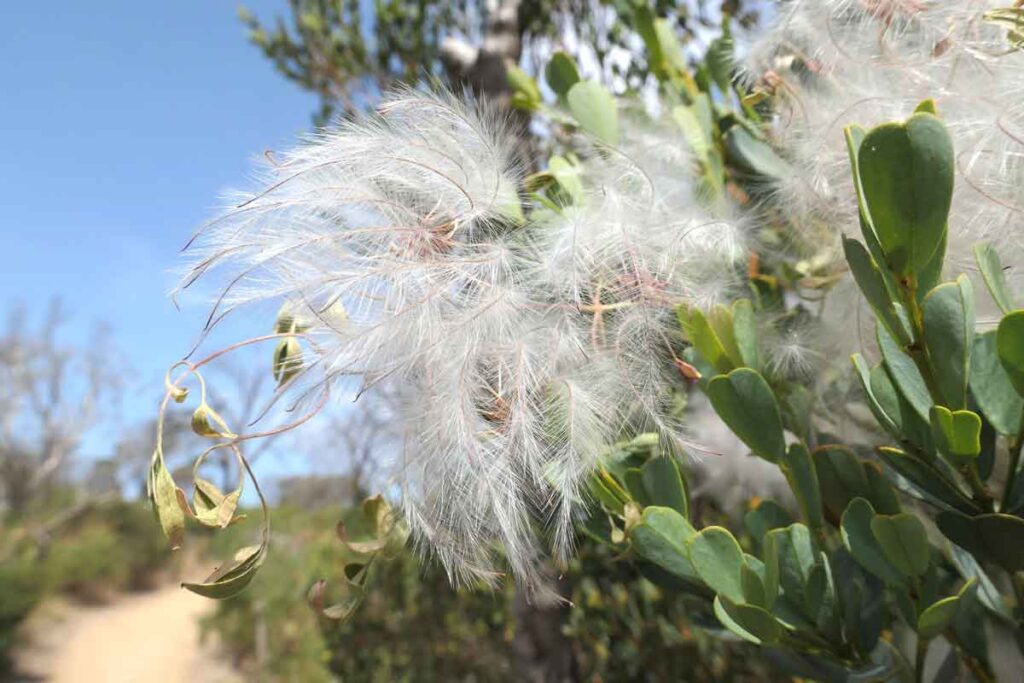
519,348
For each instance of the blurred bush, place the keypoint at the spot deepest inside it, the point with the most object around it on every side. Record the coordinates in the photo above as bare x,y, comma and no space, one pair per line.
21,588
414,626
90,555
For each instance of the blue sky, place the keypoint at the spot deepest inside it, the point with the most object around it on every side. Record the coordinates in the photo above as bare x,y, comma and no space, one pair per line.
121,123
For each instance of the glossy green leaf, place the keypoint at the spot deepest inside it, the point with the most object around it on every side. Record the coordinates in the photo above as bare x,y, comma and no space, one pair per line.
881,493
525,92
753,585
595,109
860,541
872,285
634,483
949,335
706,340
885,419
696,136
938,616
561,73
905,374
569,177
997,538
663,482
747,405
754,156
720,60
767,515
957,434
991,387
906,172
661,538
747,621
991,268
718,559
841,478
927,479
1010,347
789,557
903,541
854,138
606,490
721,321
744,325
798,466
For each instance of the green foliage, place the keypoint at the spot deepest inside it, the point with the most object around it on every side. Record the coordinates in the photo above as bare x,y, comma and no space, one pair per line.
593,106
902,534
861,563
105,548
746,403
906,172
21,588
412,625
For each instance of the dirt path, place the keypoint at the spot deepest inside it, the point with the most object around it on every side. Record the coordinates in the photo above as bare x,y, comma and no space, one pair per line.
146,637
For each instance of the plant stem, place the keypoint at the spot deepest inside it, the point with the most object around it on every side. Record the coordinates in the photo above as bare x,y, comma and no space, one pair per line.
981,493
917,350
1016,446
978,669
919,659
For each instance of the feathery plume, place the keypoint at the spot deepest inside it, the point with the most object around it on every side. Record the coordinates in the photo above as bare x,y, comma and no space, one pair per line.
519,347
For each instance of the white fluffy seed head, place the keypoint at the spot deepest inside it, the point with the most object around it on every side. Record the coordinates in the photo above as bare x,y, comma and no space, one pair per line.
520,348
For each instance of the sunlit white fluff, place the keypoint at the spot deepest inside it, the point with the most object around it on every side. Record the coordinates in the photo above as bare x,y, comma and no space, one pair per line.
519,349
838,62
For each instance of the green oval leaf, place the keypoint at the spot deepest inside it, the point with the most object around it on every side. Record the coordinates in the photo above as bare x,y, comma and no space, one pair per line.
997,538
718,559
938,616
841,478
661,538
906,172
862,544
754,156
991,268
949,335
957,434
872,285
991,387
798,467
905,374
595,110
903,541
747,405
1010,347
561,73
747,621
663,483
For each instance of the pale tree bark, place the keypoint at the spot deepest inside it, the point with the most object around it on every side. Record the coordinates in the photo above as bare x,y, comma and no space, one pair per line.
485,67
50,396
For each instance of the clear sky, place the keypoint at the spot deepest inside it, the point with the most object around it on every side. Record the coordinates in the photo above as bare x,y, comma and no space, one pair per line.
121,122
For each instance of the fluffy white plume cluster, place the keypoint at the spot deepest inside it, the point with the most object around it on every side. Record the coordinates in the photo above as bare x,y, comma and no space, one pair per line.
521,347
838,62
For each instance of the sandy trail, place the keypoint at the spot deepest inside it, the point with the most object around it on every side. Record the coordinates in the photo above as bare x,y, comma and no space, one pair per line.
146,637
